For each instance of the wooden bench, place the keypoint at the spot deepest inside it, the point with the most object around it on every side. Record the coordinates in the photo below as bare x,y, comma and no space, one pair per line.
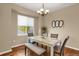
34,48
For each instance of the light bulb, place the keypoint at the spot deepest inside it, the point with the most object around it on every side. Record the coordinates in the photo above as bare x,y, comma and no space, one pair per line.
42,9
47,10
38,11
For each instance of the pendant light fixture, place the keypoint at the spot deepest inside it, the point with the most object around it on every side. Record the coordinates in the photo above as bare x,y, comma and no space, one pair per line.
43,11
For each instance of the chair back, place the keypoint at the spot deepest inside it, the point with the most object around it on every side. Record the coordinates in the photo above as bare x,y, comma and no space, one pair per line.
54,35
63,45
30,34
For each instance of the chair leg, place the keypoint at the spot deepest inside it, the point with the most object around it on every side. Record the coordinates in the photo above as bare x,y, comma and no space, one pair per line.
53,53
29,52
37,44
63,53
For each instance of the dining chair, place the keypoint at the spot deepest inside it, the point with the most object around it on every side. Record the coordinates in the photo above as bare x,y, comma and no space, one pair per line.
61,50
55,36
30,40
30,34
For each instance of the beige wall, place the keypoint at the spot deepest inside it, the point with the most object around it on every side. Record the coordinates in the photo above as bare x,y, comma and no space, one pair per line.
8,23
5,22
70,16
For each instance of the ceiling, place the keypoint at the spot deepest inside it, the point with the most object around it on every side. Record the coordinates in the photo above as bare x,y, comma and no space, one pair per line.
51,6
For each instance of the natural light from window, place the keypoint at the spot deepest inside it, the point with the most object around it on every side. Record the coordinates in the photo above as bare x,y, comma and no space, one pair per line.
25,25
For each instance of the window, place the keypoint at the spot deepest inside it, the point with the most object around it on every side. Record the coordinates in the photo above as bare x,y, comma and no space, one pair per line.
25,24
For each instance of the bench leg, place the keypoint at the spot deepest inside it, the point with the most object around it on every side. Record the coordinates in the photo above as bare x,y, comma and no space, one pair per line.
25,51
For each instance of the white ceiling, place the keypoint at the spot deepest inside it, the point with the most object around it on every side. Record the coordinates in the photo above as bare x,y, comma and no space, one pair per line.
51,6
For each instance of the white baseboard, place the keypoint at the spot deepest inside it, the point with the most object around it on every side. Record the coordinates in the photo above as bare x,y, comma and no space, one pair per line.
73,48
7,51
17,45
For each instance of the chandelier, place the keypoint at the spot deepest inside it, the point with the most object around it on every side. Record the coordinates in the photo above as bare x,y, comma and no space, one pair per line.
43,11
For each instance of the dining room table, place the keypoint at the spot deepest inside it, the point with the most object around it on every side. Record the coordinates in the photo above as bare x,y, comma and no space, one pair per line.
48,41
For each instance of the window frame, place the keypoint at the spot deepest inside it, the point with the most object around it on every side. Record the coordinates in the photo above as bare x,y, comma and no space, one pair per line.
17,25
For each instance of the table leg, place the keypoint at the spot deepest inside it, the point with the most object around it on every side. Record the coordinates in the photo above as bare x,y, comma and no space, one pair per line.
51,51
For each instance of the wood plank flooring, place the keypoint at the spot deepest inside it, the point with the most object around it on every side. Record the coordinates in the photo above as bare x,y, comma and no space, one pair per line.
19,51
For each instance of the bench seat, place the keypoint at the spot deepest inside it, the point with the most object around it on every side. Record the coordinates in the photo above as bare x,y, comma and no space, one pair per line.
35,48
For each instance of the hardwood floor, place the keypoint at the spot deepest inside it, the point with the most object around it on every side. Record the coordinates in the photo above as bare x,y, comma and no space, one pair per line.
19,51
71,52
